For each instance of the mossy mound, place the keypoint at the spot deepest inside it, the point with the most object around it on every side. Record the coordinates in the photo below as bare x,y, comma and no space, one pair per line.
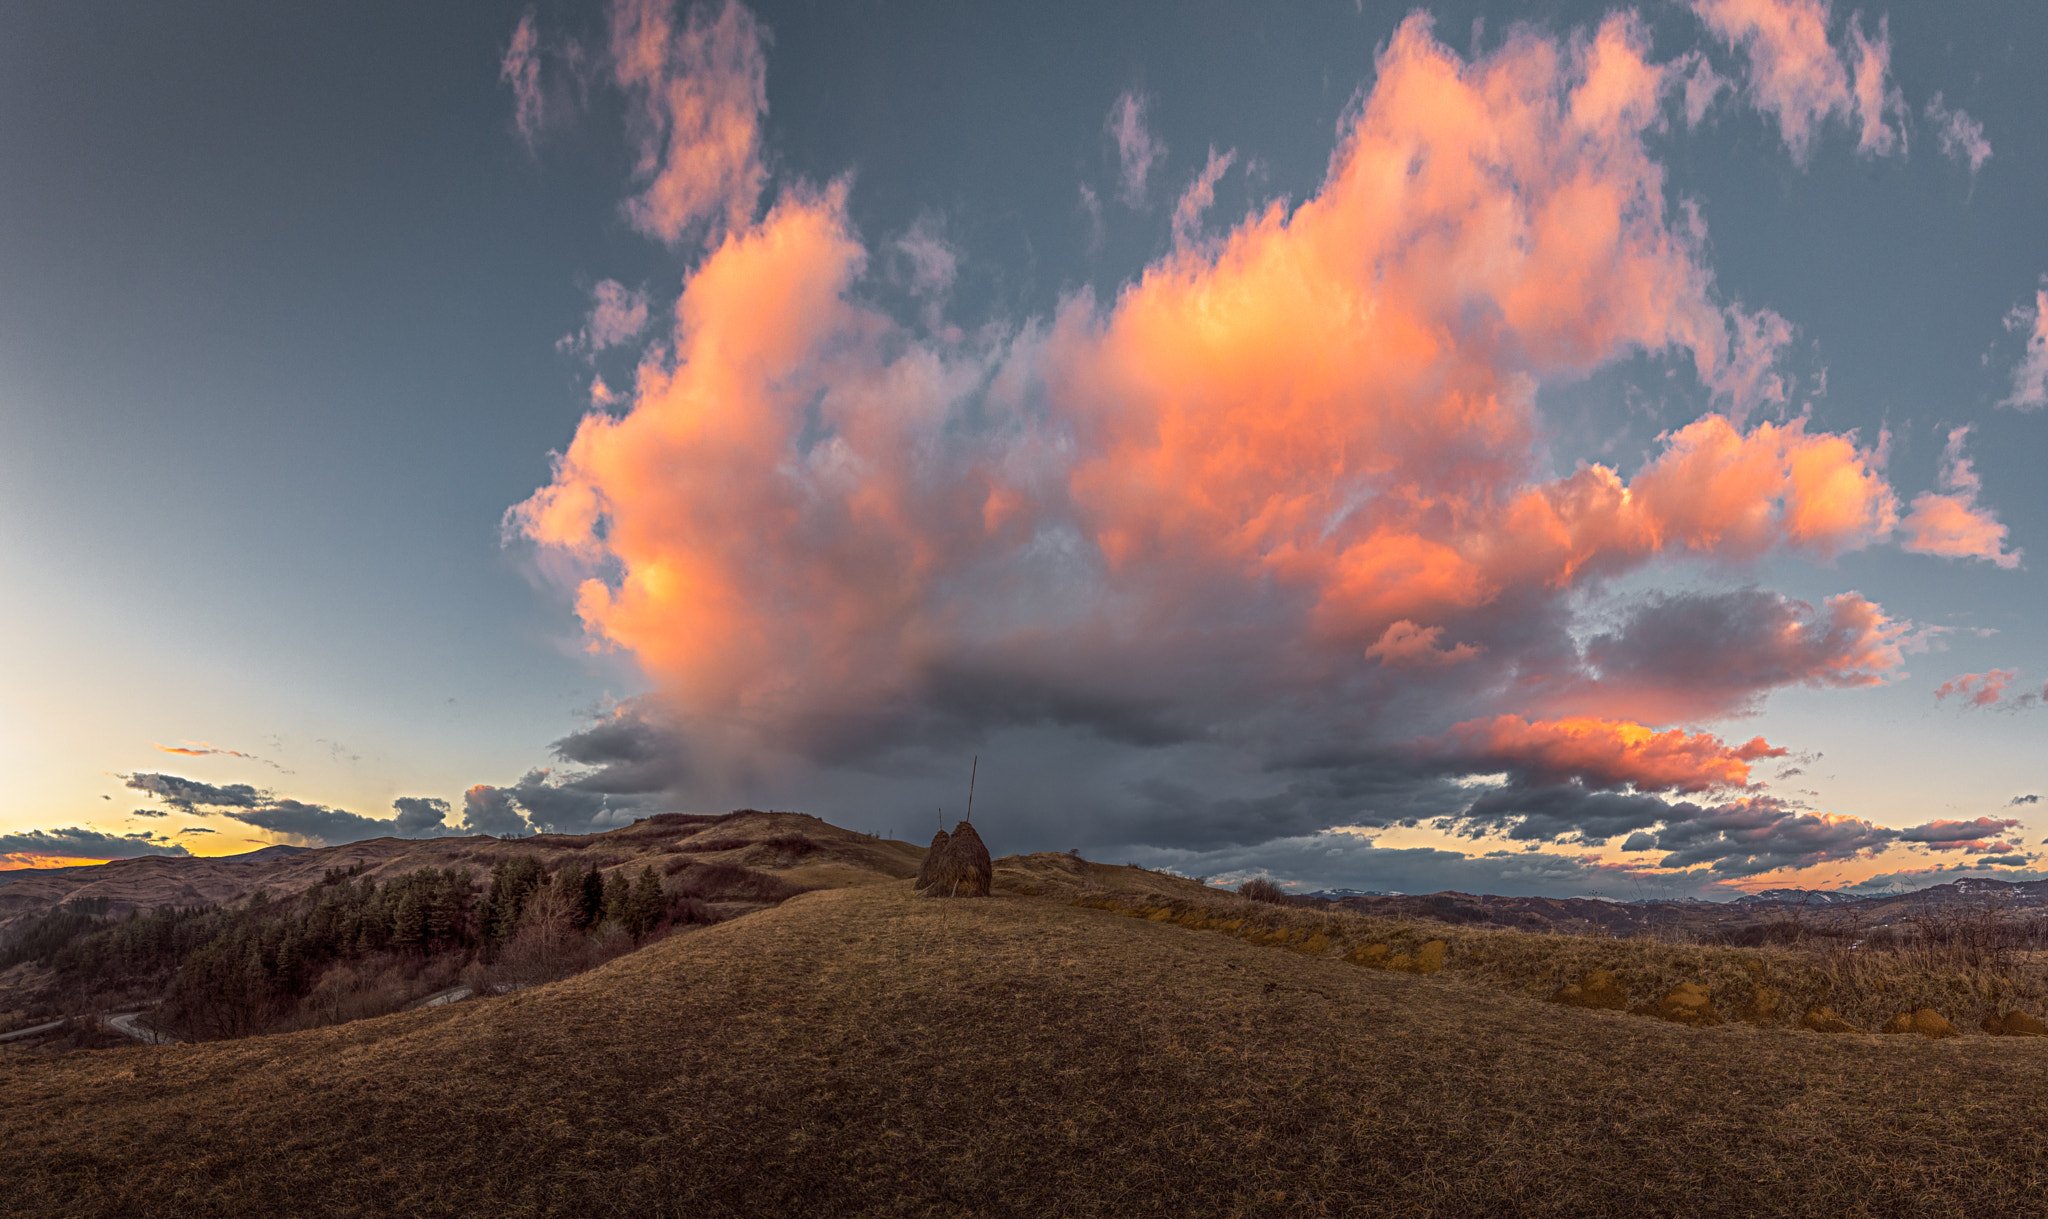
2015,1024
1599,990
1686,1003
1927,1022
1824,1020
1763,1006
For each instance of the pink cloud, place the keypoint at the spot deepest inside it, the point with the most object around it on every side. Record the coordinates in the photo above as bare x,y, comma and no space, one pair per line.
1952,524
1960,136
2030,377
699,95
1137,150
1980,835
1977,689
1875,97
1187,212
521,70
1798,77
1405,645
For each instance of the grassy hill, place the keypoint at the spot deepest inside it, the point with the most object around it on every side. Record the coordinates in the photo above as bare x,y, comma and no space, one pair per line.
1088,1041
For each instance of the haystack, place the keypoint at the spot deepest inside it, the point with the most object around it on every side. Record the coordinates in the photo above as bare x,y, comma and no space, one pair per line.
932,856
957,865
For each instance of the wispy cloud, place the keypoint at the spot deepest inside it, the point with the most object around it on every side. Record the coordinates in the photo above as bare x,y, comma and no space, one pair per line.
2030,376
697,96
1195,200
1138,152
1960,137
1977,689
520,69
617,316
1796,75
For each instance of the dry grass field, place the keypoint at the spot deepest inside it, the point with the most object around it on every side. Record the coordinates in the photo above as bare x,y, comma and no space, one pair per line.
860,1051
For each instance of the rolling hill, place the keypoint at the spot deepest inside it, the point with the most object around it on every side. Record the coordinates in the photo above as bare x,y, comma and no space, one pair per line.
1089,1040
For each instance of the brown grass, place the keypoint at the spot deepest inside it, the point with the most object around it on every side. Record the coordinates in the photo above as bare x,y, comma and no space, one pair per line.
1775,986
859,1053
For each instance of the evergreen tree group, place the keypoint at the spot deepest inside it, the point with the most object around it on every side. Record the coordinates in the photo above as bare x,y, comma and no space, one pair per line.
229,971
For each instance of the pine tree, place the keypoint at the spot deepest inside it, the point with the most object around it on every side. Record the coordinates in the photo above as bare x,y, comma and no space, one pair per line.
618,894
647,905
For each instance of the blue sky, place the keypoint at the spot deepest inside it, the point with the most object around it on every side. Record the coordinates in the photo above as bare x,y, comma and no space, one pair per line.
295,306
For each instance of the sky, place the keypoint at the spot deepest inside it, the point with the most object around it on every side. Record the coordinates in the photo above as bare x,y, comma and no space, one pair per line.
1532,448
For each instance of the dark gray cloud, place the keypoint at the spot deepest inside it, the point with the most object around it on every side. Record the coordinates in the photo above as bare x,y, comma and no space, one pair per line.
190,795
1566,812
78,843
1689,654
1757,834
148,812
630,752
1976,834
489,810
578,807
414,816
420,817
2004,861
2026,799
314,823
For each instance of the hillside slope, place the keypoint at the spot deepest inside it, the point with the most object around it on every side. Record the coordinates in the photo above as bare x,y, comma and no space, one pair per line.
804,849
862,1051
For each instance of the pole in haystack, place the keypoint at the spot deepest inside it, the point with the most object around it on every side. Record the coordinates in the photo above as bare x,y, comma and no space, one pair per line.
970,788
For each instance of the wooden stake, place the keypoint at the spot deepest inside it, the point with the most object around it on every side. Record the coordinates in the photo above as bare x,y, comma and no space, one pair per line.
970,787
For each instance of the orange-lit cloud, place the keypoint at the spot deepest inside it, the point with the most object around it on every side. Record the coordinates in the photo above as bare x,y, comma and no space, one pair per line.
1607,753
1977,689
200,749
1405,644
1952,524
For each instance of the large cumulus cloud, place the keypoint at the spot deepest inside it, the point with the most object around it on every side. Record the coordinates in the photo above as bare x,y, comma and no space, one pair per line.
1268,543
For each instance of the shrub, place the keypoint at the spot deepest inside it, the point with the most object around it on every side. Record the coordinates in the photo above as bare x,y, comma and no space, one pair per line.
1259,889
713,882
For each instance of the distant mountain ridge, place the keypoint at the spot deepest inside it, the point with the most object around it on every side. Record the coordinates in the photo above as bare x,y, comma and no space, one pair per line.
1797,897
